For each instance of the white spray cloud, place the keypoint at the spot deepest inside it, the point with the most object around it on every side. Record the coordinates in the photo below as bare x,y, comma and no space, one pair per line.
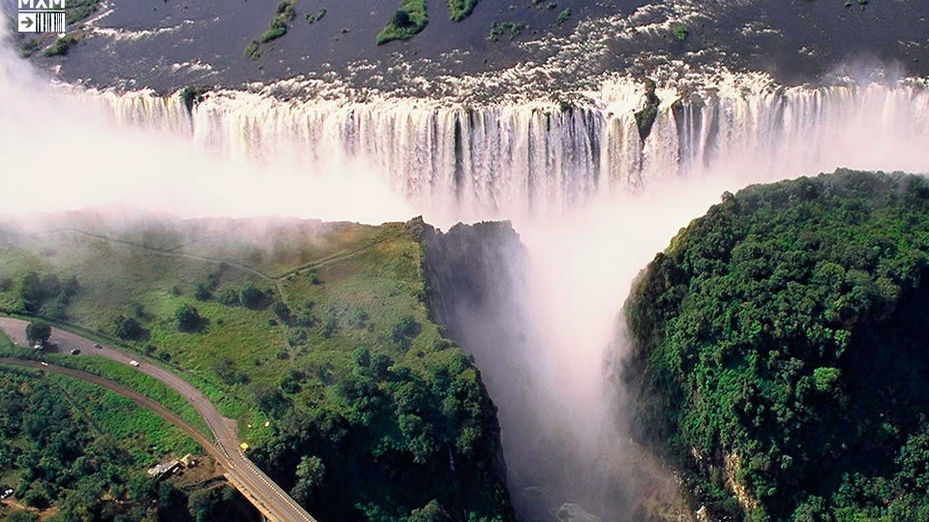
59,152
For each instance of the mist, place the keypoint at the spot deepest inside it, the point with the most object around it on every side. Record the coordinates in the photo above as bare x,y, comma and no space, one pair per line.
61,152
548,341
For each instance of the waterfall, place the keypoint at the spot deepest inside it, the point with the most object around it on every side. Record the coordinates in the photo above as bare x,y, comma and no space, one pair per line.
539,157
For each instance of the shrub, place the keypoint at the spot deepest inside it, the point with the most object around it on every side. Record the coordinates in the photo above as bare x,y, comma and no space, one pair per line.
413,20
273,33
61,46
202,292
38,332
228,297
253,298
187,318
404,330
331,327
401,18
128,328
312,18
357,318
458,10
251,50
281,311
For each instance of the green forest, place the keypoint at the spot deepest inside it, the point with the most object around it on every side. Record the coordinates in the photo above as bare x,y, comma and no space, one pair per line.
780,356
75,452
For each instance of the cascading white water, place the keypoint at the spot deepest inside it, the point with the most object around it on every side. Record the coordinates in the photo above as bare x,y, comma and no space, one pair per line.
591,199
533,158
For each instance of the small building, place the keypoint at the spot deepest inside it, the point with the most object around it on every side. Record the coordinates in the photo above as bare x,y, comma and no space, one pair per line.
164,469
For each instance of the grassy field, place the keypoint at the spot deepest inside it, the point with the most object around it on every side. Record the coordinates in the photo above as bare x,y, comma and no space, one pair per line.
314,337
149,271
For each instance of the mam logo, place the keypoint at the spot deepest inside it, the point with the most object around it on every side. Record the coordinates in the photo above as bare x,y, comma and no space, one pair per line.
41,5
41,16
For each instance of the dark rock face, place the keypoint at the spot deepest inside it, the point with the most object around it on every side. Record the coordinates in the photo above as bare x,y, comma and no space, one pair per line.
472,269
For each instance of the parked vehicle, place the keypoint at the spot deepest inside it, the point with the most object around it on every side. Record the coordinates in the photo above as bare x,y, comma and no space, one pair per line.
134,363
75,351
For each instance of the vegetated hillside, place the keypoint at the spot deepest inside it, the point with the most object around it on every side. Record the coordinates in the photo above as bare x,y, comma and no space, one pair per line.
73,451
313,336
781,351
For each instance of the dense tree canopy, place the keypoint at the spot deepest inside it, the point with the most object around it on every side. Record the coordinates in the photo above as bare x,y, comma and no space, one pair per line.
437,435
37,332
781,355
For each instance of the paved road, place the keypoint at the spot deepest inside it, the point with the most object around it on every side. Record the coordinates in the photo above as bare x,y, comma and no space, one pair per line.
267,496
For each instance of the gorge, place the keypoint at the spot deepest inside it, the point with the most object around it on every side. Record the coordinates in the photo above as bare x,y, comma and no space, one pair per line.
589,199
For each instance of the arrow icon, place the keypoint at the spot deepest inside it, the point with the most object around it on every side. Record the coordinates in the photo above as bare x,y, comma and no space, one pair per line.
27,23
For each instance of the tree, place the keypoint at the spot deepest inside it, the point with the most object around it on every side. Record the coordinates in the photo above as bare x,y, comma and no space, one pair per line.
310,474
51,286
128,328
31,292
404,330
252,297
202,292
37,332
188,318
401,18
431,512
282,311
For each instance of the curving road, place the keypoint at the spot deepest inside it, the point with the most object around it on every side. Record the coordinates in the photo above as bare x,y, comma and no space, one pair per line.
267,496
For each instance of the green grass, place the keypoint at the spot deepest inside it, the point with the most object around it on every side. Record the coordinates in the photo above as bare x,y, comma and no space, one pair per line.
147,436
415,13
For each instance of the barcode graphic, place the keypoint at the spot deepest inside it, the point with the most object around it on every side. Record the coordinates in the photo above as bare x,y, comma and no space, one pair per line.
50,22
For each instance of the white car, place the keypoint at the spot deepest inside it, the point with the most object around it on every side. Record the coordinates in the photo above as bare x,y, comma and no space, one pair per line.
134,363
